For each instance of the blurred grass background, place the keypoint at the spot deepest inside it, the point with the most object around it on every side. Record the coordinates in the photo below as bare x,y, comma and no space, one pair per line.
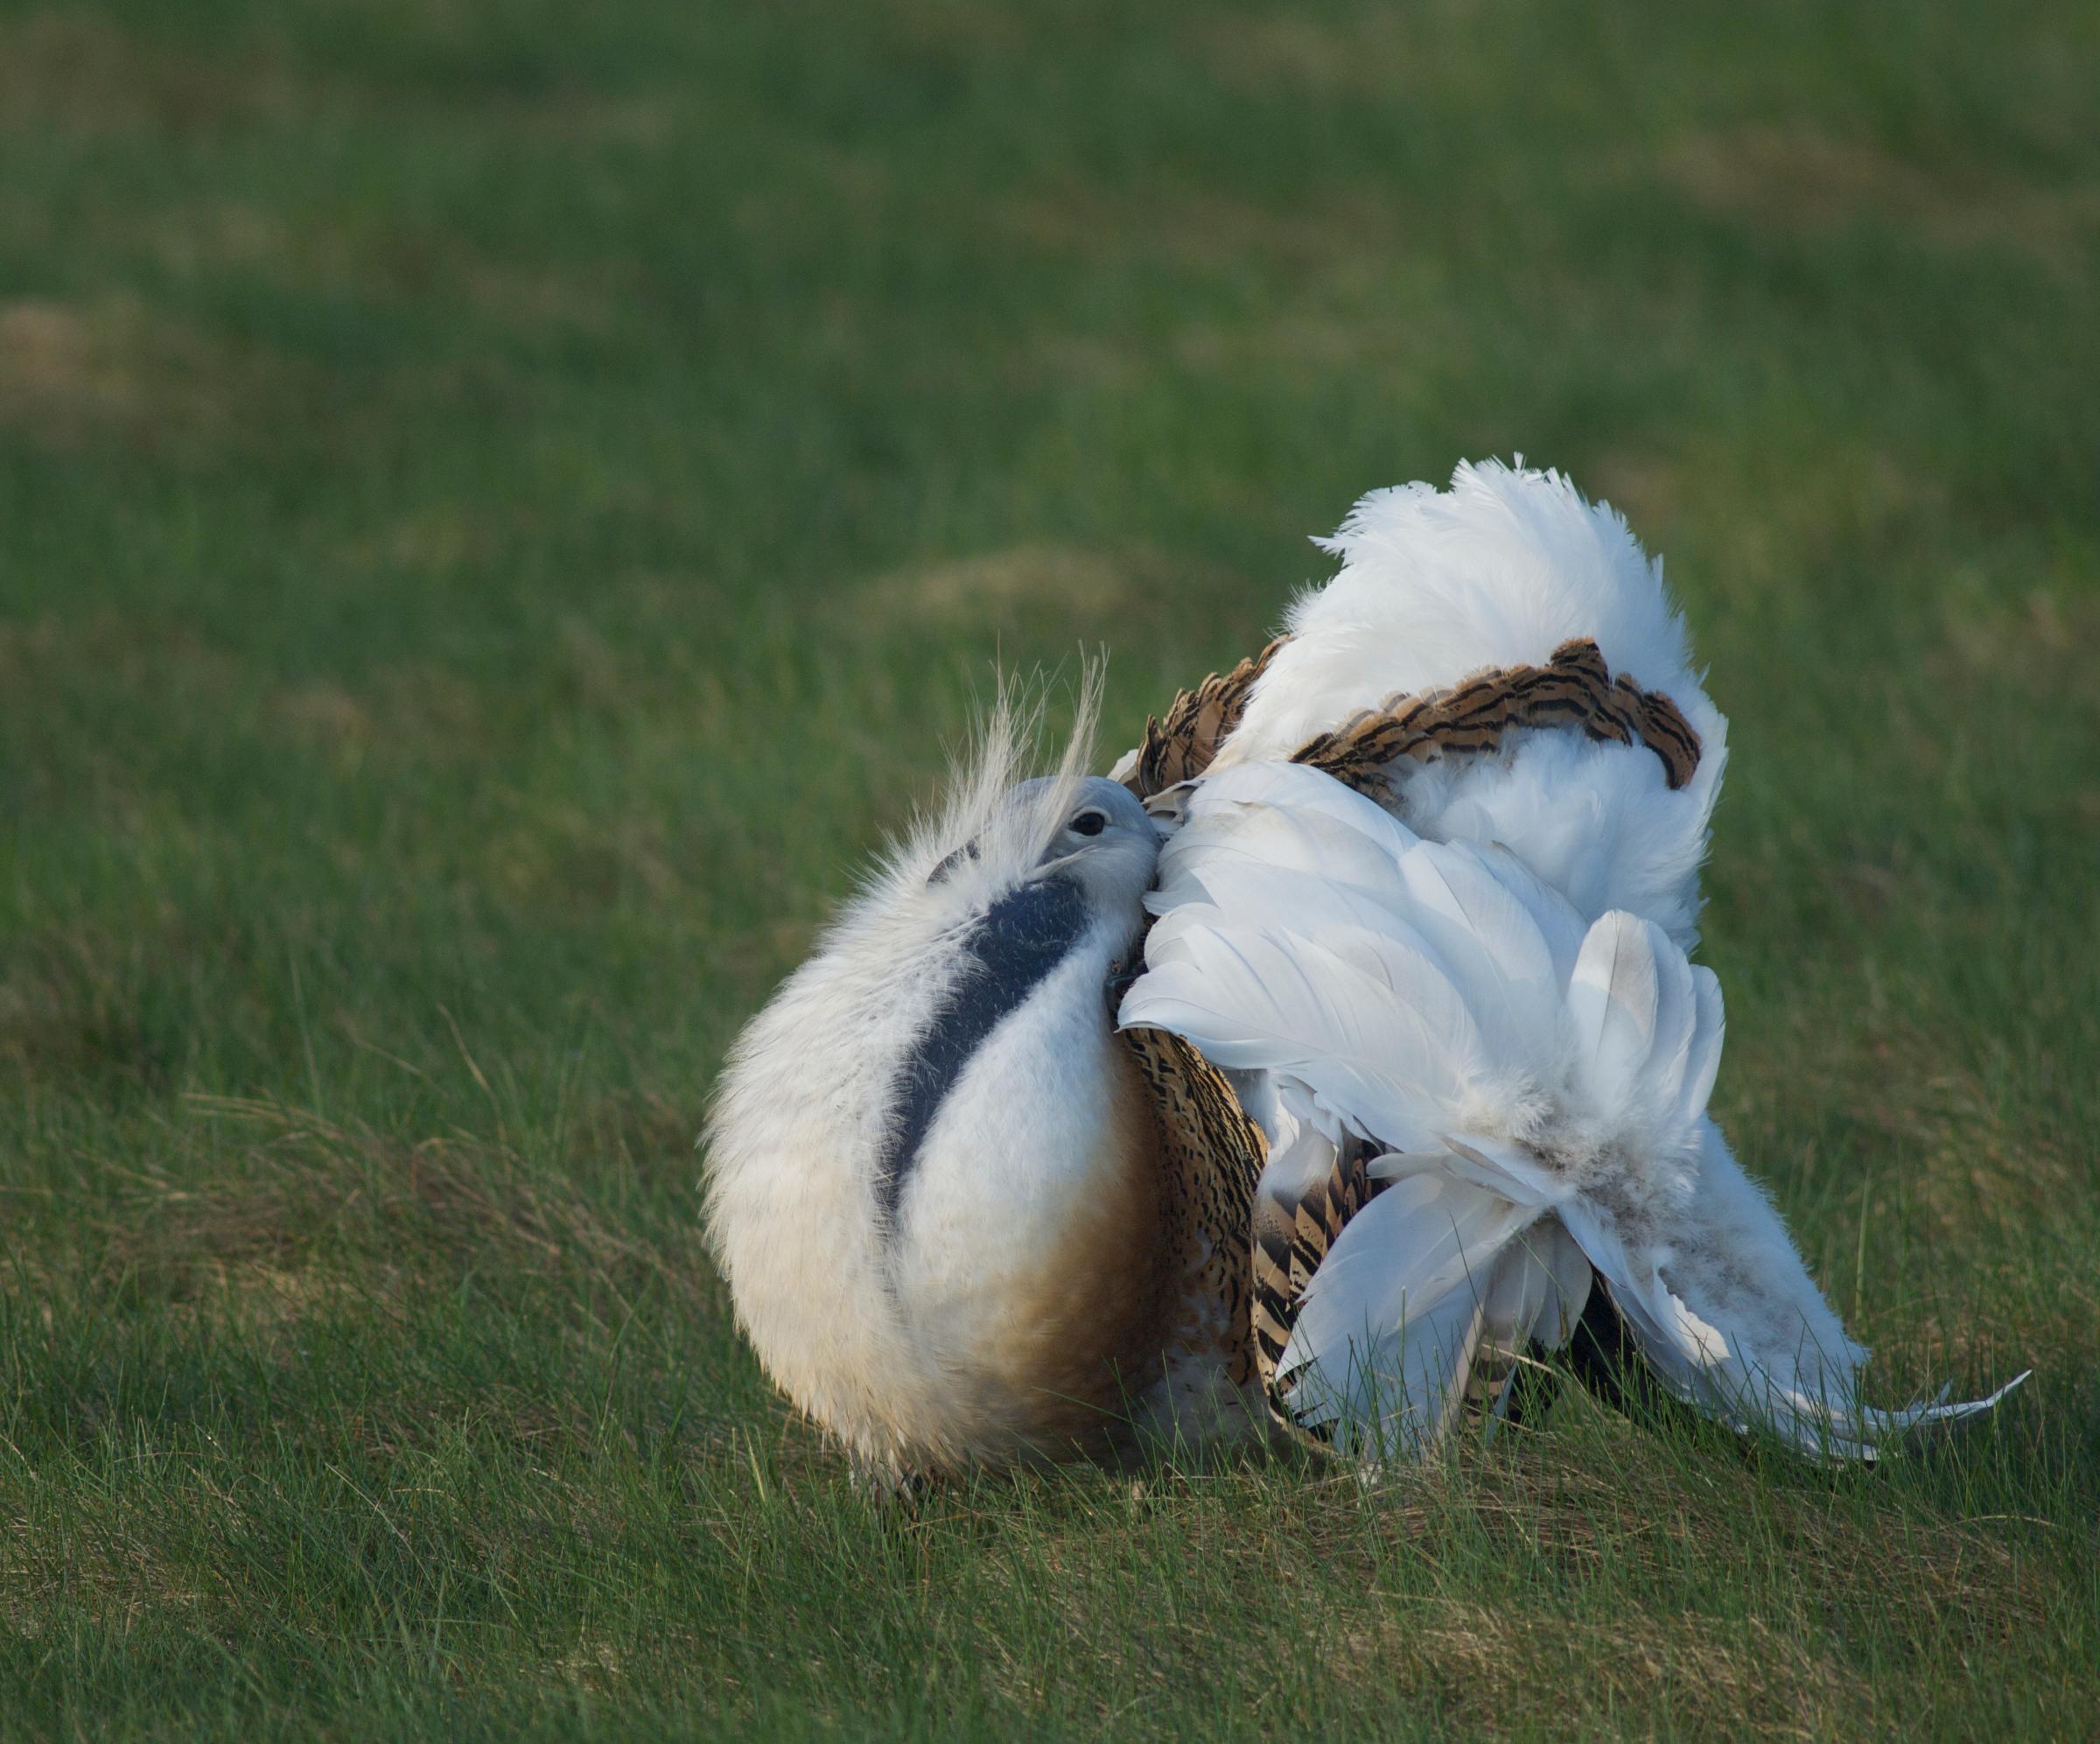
501,502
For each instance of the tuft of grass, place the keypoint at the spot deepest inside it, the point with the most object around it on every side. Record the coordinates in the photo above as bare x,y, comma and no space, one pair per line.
500,505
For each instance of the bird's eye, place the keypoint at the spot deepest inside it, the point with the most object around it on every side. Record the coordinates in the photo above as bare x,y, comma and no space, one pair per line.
1089,823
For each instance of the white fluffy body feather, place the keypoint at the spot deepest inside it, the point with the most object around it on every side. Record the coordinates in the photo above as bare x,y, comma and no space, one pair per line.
1499,570
1494,993
1538,1088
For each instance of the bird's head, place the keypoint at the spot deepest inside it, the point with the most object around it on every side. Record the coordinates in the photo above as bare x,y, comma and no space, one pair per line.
1004,833
1085,833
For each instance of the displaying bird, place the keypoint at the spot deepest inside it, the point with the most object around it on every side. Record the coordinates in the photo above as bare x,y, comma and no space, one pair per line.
1337,1057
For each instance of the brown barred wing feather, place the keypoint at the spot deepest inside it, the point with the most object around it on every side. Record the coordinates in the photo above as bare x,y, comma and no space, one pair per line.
1181,748
1292,1235
1211,1155
1574,689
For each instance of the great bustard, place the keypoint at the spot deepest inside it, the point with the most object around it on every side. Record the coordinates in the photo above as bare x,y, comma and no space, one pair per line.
1307,1075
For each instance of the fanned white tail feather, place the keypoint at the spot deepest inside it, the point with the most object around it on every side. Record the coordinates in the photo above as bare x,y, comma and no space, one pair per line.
1539,1090
1496,571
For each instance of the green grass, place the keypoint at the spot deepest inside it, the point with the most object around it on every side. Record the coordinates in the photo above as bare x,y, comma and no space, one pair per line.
501,504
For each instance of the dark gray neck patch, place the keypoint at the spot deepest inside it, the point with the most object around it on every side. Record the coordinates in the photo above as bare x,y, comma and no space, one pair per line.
1008,952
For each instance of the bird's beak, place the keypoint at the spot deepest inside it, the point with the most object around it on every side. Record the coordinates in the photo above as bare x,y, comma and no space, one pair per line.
1168,808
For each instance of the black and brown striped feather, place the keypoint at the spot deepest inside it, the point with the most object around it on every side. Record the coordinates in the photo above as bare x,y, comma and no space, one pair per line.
1292,1237
1574,689
1211,1156
1181,748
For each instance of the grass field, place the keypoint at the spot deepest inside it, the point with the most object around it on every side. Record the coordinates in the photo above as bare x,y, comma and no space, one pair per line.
500,504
